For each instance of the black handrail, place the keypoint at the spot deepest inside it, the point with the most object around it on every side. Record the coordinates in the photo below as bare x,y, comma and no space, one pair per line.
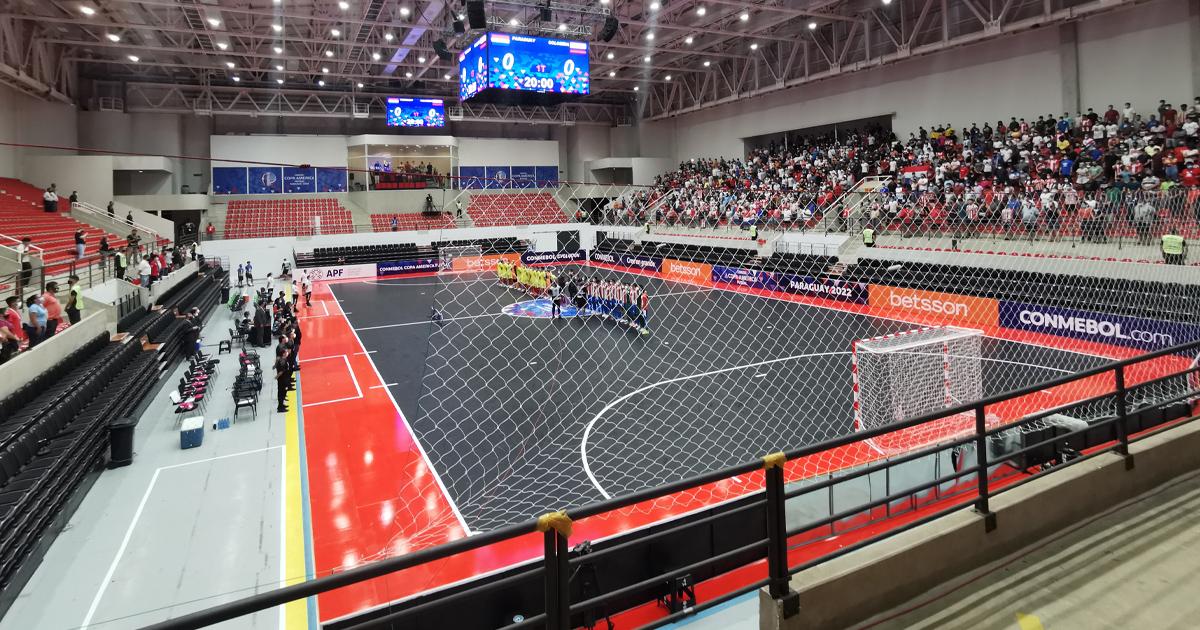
556,560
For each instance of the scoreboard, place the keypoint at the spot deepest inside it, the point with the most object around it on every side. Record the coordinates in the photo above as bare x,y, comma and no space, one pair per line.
415,112
506,61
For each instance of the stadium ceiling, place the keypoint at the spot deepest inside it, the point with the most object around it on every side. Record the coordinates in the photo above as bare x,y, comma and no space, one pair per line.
328,58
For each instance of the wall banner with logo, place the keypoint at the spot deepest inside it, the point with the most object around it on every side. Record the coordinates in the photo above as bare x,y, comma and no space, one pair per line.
827,288
482,263
645,263
316,274
1117,330
542,258
401,267
946,308
686,271
752,278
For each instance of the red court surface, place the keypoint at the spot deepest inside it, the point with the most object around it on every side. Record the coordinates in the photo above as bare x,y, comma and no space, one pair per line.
374,495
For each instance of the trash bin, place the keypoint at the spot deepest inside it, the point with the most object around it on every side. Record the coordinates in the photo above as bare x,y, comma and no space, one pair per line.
120,442
225,293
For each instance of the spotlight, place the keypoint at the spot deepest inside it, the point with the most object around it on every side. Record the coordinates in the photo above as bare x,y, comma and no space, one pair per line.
277,27
812,26
407,75
421,59
214,22
343,5
701,11
360,86
745,17
279,50
279,81
222,45
650,37
668,77
562,27
688,40
335,32
113,37
230,65
321,83
707,64
328,53
654,6
611,56
514,22
237,79
611,73
635,88
646,58
325,70
279,67
88,11
134,58
404,11
753,46
446,77
376,56
388,36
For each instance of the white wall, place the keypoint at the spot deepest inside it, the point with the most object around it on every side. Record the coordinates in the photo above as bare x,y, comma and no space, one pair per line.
485,151
313,150
24,119
91,175
8,132
584,144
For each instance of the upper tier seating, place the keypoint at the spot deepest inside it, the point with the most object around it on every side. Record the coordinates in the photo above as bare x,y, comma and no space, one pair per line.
258,218
492,209
412,221
21,215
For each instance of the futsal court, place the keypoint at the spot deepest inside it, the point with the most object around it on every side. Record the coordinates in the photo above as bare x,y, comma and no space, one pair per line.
431,412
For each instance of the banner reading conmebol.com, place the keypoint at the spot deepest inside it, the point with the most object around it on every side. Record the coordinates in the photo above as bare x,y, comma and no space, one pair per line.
752,278
542,258
828,288
1118,330
401,267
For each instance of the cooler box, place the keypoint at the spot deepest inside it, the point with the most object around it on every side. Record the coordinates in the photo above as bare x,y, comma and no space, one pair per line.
191,432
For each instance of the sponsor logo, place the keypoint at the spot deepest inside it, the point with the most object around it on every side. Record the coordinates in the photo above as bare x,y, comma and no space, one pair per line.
605,257
539,309
1089,326
481,263
752,278
407,266
825,288
534,258
699,272
929,305
641,262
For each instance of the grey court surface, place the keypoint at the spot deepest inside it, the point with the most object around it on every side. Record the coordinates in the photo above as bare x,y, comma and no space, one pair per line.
176,531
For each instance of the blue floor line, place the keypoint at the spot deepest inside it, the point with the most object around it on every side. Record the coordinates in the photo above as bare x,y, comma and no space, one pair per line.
714,610
309,561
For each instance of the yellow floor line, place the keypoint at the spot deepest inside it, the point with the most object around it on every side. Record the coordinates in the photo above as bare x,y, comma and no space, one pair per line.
1029,622
296,613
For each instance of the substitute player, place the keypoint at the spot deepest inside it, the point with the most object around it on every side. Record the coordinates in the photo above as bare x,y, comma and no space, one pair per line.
643,309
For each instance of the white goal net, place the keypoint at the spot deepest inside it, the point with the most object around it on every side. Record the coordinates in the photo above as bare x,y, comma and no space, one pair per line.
915,372
448,254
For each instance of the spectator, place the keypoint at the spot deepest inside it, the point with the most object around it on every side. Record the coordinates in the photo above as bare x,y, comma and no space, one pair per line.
74,198
74,300
119,263
143,271
250,273
10,343
155,269
112,212
11,322
129,219
53,309
35,327
25,263
50,200
80,243
105,252
1174,248
210,232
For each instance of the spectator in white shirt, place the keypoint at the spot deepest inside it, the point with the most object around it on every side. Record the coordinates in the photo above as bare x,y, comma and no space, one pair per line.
50,200
143,270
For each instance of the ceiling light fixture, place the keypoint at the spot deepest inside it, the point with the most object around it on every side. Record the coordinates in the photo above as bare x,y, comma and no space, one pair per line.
321,83
88,11
279,50
214,22
360,86
279,81
328,53
812,26
407,75
134,58
405,11
446,77
611,73
668,77
654,6
343,5
611,56
222,45
230,65
279,68
421,59
707,64
745,17
646,58
688,40
277,27
650,37
335,32
325,70
562,27
237,79
388,36
113,37
701,11
376,56
753,46
635,88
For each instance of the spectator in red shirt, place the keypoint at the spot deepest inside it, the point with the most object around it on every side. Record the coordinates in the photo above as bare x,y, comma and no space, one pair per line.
12,316
53,309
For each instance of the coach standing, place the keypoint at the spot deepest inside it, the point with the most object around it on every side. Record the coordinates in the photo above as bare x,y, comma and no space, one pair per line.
282,374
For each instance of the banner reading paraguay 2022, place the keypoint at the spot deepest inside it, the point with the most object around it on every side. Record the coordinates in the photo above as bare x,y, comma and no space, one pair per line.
827,288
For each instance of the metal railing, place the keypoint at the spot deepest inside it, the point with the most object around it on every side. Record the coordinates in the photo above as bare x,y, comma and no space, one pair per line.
556,565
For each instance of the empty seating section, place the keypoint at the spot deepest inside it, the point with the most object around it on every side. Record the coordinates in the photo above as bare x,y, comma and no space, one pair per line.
258,218
411,221
492,209
21,215
364,254
54,430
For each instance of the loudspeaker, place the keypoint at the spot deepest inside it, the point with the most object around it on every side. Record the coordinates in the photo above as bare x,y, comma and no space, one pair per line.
459,27
475,14
544,13
610,28
439,47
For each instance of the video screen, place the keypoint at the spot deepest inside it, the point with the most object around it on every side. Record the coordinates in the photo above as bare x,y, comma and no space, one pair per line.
537,64
520,62
472,69
415,112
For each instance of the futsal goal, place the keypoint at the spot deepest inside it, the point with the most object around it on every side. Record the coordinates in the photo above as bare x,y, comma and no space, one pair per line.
916,372
448,254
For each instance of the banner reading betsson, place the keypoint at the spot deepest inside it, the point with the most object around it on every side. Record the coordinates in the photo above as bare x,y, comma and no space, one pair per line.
1117,330
541,258
752,278
828,288
947,308
482,263
401,267
685,271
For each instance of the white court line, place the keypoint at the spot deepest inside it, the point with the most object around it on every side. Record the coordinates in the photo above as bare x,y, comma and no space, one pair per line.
353,378
137,515
437,477
323,305
591,423
429,321
334,356
384,385
283,530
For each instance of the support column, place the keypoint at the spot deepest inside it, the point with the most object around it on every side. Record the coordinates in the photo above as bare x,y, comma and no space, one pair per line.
1068,66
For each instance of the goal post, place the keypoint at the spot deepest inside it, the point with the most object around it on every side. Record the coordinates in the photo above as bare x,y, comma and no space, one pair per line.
914,372
448,253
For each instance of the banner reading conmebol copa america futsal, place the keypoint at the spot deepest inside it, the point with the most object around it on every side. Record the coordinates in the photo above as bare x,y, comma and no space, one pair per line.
542,258
752,278
1118,330
401,267
827,288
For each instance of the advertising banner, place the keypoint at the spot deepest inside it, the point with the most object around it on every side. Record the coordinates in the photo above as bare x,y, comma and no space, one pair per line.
606,257
496,177
827,288
546,175
482,263
753,278
645,263
401,267
541,258
522,176
299,180
316,274
689,272
470,176
331,179
1117,330
266,180
949,308
229,180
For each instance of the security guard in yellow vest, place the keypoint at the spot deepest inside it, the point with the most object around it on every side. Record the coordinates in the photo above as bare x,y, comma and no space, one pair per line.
754,231
868,235
1174,248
